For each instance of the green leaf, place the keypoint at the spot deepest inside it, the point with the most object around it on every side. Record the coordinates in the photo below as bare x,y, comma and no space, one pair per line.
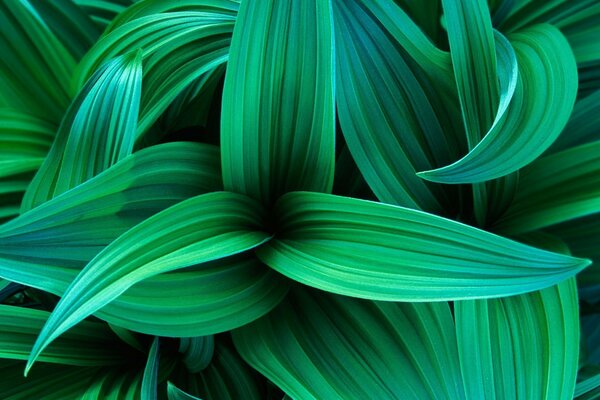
174,393
24,142
200,229
48,382
89,344
197,352
524,346
47,247
383,252
210,298
280,79
58,236
35,67
70,23
102,12
582,235
202,41
98,131
227,377
538,111
583,124
557,188
387,106
473,53
115,384
588,384
149,390
320,346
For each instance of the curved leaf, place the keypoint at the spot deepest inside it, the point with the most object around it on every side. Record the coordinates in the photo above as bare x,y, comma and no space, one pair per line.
583,124
35,67
149,389
200,229
554,189
227,377
174,393
197,352
49,381
473,53
89,344
280,78
382,252
98,131
388,110
102,12
201,45
523,346
70,23
319,346
528,126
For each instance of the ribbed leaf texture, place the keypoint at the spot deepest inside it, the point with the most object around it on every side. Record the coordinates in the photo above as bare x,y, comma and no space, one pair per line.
299,199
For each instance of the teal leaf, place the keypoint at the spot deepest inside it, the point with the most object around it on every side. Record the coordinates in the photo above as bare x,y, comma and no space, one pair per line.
554,189
524,346
149,389
89,344
98,131
203,35
383,252
387,107
197,352
200,229
35,67
538,111
280,78
320,346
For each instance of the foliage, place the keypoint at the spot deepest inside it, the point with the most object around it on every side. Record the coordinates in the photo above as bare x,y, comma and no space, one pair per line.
305,199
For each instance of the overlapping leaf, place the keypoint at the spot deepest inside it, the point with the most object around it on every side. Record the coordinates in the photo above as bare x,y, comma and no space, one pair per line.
35,67
47,247
389,111
280,79
319,346
202,30
200,229
24,142
89,344
383,252
98,130
557,188
227,377
527,123
523,346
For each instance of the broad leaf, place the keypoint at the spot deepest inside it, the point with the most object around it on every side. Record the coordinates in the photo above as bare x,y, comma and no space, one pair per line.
554,189
35,67
523,346
47,247
200,229
389,110
227,377
320,346
197,352
540,108
98,131
70,23
89,344
583,124
203,35
383,252
280,79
